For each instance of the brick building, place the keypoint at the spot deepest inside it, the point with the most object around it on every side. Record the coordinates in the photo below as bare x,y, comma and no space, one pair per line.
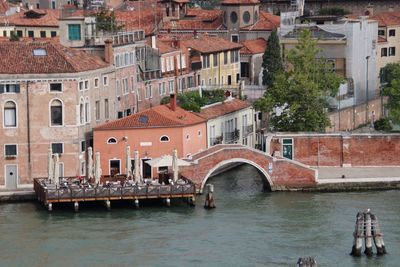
51,96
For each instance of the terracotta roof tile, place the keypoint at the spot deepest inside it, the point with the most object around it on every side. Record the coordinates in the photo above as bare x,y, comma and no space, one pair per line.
58,59
145,19
3,6
46,18
387,19
204,14
216,110
159,116
198,19
210,44
266,22
251,47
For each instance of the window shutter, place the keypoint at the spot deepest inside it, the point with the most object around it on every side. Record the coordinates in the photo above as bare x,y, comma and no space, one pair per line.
1,88
17,89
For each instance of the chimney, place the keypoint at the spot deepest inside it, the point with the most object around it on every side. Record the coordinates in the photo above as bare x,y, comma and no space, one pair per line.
369,10
108,51
172,101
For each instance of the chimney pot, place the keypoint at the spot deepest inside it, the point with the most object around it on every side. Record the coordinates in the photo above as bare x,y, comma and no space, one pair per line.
172,102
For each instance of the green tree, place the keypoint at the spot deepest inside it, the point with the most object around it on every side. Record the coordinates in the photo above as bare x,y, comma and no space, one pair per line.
106,21
297,100
390,75
192,100
14,37
272,60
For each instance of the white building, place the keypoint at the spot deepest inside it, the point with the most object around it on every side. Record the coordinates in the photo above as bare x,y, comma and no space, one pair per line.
230,122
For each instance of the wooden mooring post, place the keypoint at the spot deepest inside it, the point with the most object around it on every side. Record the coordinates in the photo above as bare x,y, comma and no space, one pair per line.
367,228
209,203
306,262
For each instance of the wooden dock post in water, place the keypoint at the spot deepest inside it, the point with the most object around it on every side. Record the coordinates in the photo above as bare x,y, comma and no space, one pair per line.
306,262
367,228
209,203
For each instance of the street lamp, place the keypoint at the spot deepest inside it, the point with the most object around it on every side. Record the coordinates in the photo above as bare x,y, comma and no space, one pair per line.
366,94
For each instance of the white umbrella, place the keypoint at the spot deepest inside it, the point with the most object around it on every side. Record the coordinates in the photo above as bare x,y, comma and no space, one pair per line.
166,161
56,169
89,173
97,168
175,167
137,166
50,164
128,164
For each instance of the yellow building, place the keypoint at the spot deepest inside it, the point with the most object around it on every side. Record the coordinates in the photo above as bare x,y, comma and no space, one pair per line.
35,23
389,38
216,60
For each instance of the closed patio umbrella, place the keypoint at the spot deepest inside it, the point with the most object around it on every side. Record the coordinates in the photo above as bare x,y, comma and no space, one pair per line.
97,168
56,169
137,166
89,173
175,166
50,164
128,164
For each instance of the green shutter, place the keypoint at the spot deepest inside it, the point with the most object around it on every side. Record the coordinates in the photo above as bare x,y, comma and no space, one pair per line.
74,32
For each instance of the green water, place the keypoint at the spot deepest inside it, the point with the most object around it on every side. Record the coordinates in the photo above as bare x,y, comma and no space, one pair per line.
248,228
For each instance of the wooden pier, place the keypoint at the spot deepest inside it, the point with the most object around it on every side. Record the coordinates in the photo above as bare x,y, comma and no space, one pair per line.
49,193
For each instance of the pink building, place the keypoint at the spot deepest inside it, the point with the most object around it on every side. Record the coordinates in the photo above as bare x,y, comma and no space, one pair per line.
153,132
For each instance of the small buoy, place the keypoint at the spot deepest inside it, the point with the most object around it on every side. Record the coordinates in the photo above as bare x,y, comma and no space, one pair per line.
168,202
137,203
76,206
108,205
50,206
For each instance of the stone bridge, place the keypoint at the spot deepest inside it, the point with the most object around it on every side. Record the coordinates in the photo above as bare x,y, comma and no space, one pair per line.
278,173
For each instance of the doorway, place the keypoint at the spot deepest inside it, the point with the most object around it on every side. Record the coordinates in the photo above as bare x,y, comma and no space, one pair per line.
115,167
287,148
146,169
11,177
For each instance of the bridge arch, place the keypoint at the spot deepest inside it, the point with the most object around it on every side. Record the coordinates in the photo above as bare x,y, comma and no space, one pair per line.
266,177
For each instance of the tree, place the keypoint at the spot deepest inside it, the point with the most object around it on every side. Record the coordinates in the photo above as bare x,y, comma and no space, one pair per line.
106,21
272,60
297,100
192,100
390,75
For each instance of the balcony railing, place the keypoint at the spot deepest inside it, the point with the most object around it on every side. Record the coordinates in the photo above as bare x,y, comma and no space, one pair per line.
248,129
231,137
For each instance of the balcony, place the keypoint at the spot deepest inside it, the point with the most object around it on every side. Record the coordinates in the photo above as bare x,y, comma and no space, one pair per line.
232,137
246,130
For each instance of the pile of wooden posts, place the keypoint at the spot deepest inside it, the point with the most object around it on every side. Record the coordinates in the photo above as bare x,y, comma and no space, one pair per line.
209,203
367,228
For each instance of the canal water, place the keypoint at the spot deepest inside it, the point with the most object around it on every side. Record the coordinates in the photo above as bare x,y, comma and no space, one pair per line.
249,227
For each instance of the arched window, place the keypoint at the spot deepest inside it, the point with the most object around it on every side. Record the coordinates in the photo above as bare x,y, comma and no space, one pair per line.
87,110
56,113
234,17
81,111
111,140
164,138
246,17
10,114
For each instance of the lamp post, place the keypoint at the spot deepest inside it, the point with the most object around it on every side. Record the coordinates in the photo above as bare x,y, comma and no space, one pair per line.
366,94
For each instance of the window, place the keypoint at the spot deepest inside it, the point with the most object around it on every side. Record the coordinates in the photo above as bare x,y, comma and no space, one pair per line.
125,85
381,32
246,17
384,52
39,52
164,90
42,34
160,91
206,61
187,137
392,51
53,34
171,86
56,113
10,114
19,33
392,32
57,148
87,111
198,133
53,4
105,80
9,88
74,32
83,146
148,92
97,110
209,81
81,86
234,17
10,150
229,79
56,87
106,109
96,82
133,83
235,38
226,57
234,56
111,140
215,60
164,138
86,85
4,33
31,34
